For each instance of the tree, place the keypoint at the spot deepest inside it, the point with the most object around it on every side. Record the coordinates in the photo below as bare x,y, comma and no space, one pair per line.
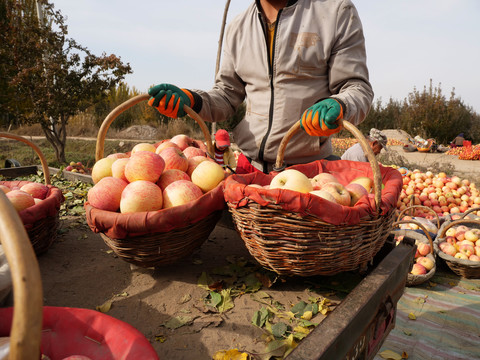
51,76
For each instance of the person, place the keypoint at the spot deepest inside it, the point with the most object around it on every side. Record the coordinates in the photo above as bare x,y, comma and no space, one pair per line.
223,152
458,141
377,141
290,61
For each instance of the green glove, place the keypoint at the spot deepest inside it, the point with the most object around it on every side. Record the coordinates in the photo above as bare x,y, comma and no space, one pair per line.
321,119
169,100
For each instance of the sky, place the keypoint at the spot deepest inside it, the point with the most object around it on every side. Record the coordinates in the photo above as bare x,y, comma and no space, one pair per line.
409,42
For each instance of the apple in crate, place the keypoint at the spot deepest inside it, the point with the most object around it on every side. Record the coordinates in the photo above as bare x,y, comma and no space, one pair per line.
141,195
180,192
207,175
118,168
426,262
339,192
102,168
192,151
323,194
171,175
418,269
183,141
194,161
321,179
20,199
143,147
356,191
291,179
4,188
106,194
174,159
144,165
35,189
365,181
166,144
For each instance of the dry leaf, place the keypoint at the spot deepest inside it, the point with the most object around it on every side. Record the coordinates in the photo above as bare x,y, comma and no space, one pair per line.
105,307
233,354
390,355
412,316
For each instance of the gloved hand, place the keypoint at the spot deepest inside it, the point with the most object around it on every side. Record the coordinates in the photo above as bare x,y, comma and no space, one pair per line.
321,119
169,100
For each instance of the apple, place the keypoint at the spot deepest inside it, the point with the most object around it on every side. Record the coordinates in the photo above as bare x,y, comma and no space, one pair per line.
207,175
102,168
166,144
180,192
461,256
474,257
357,191
291,179
141,195
35,189
418,269
471,235
118,156
174,159
171,175
106,194
447,248
20,199
182,141
4,188
466,247
193,162
339,192
423,249
144,165
426,262
143,147
324,194
365,181
192,151
118,168
321,179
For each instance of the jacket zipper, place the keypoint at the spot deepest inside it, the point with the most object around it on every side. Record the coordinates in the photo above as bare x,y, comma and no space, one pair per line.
261,151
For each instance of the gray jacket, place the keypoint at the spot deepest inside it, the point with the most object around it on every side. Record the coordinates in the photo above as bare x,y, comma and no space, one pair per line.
319,52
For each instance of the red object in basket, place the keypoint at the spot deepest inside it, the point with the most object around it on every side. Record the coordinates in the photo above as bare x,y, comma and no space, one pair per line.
75,331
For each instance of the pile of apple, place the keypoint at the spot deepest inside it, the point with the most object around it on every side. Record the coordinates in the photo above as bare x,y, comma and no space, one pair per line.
77,167
324,185
424,260
154,176
25,196
461,242
444,195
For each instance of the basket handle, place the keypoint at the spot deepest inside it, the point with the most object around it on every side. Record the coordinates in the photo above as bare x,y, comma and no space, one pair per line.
102,133
468,212
427,234
377,176
422,207
457,222
46,170
26,331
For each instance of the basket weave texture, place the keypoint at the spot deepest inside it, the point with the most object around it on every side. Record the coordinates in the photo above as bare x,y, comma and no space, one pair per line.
464,268
300,234
41,220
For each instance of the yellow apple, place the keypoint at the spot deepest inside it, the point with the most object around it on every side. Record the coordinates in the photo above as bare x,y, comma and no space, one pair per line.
365,181
207,175
102,168
143,147
291,179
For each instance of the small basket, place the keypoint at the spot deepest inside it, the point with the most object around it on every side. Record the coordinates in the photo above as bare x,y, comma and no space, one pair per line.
158,240
412,279
57,332
464,268
41,220
305,244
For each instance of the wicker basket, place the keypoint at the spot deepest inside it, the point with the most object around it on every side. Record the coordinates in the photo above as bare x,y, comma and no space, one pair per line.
292,243
152,246
41,221
412,279
465,268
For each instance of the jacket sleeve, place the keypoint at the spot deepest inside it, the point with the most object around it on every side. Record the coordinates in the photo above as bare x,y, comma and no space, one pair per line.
229,158
349,80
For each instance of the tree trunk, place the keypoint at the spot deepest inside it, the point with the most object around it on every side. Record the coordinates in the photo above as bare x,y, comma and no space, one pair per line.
56,136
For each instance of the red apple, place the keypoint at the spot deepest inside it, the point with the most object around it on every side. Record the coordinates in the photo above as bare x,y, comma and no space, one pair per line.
118,168
4,188
339,192
144,165
141,195
20,199
166,144
174,159
321,179
183,141
180,192
118,156
35,189
427,262
423,249
207,175
418,269
171,175
290,179
192,151
356,191
106,194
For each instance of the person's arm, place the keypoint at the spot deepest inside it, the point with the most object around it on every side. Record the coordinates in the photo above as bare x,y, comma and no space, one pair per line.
349,79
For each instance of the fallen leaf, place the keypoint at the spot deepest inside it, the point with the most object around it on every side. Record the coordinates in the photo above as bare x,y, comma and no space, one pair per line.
390,355
105,307
412,316
160,338
185,298
404,355
233,354
177,322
